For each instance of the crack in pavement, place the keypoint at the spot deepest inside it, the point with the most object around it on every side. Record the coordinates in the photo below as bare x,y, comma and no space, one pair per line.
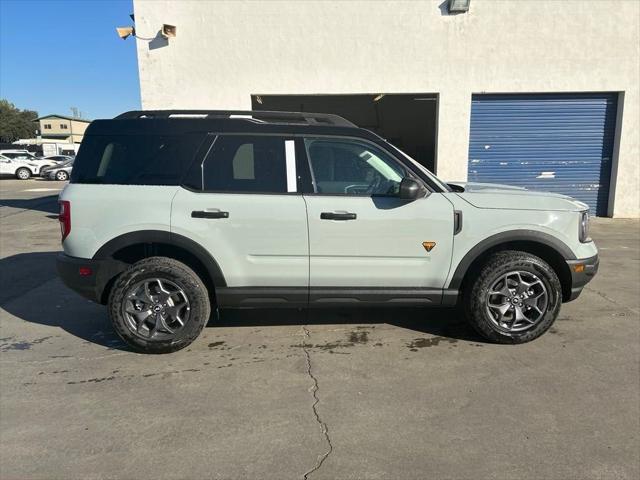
314,389
611,300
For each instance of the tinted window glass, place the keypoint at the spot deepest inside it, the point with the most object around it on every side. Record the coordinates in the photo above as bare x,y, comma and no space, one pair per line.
244,163
19,156
134,159
353,168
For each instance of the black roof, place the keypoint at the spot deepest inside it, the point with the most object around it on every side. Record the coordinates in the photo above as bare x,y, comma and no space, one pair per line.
226,121
260,116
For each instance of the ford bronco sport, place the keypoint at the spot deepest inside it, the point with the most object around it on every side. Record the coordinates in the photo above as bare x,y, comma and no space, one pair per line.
170,214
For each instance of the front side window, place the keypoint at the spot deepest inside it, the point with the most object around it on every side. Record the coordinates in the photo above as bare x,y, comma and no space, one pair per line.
349,167
246,163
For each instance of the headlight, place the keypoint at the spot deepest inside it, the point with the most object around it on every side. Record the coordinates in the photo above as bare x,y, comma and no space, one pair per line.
583,227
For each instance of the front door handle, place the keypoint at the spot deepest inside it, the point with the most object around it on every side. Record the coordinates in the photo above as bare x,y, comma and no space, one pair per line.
337,216
206,214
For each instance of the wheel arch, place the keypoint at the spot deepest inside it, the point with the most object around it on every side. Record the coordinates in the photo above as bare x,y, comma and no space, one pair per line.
548,248
131,247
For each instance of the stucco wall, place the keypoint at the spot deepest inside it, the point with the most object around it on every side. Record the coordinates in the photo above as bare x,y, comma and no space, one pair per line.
226,50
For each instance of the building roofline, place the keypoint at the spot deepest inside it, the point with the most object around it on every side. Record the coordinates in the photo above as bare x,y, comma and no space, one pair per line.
62,116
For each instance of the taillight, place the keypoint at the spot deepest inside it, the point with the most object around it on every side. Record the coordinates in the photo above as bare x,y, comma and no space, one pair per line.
65,218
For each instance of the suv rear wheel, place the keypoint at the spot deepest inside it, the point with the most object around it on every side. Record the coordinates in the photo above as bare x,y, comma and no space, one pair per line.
515,298
159,305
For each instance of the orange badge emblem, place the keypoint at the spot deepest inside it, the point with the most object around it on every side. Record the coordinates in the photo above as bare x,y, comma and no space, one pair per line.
428,246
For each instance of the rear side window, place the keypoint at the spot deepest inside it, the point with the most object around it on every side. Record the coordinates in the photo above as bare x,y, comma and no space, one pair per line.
246,163
135,159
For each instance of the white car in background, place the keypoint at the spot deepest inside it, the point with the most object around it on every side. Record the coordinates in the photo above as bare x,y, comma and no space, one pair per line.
20,168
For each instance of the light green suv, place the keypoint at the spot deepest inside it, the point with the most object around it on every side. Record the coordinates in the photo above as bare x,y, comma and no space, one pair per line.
170,214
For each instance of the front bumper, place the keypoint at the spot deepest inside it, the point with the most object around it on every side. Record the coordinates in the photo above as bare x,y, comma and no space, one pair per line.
582,272
88,277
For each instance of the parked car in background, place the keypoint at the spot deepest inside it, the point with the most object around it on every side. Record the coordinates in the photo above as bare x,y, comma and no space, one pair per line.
58,172
53,163
20,168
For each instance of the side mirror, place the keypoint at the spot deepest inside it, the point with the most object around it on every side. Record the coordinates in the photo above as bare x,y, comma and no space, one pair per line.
409,189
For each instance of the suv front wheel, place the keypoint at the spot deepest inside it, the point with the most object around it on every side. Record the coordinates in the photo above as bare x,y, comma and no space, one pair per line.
515,298
23,173
159,305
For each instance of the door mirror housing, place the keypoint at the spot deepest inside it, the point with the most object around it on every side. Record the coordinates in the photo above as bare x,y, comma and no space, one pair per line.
409,189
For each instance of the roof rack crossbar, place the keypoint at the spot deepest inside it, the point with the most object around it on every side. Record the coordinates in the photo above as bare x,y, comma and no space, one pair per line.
250,115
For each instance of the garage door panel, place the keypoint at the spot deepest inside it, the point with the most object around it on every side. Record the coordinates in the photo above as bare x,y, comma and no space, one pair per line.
560,143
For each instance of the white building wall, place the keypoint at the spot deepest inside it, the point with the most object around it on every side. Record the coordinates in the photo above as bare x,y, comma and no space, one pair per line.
227,50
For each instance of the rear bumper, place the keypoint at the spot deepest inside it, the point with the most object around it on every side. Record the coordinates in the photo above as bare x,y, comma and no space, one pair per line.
582,272
90,285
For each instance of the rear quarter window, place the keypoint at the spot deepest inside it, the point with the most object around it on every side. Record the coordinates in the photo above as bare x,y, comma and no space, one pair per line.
135,159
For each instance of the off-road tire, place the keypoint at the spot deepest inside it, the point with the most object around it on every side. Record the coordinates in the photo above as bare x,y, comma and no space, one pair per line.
173,271
500,264
23,173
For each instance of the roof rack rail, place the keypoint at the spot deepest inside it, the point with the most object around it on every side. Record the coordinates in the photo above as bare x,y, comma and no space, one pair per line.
251,115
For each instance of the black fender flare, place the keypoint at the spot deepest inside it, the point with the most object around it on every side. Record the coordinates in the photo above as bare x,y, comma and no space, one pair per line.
159,236
533,236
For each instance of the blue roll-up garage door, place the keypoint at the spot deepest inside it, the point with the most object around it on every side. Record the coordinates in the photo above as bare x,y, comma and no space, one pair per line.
552,142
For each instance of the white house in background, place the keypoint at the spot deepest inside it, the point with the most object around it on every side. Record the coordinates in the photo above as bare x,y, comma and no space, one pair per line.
542,94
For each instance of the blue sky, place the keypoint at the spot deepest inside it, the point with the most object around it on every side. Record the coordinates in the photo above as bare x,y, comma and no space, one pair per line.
55,54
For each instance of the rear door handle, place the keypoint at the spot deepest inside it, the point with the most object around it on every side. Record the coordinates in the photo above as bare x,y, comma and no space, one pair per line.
207,214
337,216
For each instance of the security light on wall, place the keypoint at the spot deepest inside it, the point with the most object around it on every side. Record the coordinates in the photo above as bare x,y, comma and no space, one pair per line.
124,32
459,6
168,31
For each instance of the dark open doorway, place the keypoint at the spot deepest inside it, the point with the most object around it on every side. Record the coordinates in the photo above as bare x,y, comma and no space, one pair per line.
406,120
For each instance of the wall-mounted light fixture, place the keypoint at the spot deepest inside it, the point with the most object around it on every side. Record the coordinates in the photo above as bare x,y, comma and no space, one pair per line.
377,98
168,31
124,32
459,6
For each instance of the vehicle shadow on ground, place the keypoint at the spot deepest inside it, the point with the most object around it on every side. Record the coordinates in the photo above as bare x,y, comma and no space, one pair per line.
441,322
30,291
47,204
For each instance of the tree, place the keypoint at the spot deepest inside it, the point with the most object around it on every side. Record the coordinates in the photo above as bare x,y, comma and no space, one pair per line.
16,123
